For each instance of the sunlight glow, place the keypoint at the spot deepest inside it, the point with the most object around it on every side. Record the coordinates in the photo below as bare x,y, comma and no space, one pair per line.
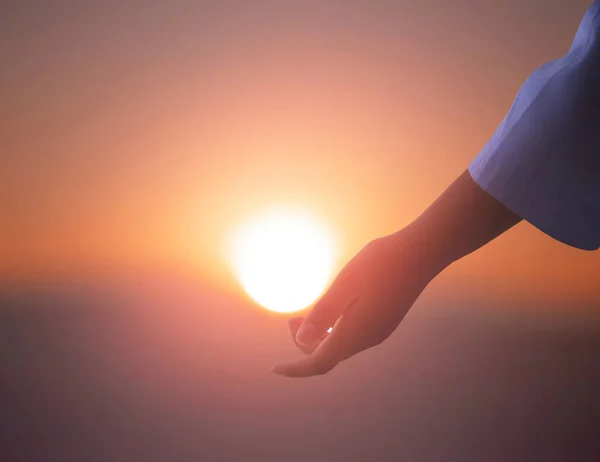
283,259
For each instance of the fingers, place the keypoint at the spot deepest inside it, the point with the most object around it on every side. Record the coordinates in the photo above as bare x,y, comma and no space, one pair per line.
327,310
294,324
301,369
344,341
344,292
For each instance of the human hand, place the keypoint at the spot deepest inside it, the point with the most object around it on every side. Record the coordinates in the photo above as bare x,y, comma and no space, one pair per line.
364,305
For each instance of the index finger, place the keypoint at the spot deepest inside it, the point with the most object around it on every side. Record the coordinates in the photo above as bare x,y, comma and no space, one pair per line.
328,309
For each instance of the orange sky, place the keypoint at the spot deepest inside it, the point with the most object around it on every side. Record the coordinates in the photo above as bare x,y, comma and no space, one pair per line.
137,133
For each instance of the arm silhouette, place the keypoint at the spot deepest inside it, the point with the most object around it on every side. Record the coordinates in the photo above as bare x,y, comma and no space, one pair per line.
374,291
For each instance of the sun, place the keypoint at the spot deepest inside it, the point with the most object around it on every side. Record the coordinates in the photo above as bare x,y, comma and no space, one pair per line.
283,259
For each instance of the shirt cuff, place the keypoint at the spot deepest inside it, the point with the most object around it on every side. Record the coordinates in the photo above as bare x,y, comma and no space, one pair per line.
539,198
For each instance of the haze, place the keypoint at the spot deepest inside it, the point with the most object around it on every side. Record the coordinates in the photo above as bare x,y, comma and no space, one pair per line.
134,135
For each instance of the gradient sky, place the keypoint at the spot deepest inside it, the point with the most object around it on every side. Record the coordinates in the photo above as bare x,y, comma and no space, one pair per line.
144,131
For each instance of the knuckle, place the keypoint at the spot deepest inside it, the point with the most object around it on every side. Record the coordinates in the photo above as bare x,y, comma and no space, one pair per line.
375,243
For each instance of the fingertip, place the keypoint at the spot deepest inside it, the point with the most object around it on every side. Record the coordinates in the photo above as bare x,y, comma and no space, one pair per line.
288,369
277,369
306,334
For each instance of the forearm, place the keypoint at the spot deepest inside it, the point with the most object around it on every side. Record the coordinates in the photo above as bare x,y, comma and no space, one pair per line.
463,219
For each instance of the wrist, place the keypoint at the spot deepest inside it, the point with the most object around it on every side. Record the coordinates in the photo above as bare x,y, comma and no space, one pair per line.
420,253
424,249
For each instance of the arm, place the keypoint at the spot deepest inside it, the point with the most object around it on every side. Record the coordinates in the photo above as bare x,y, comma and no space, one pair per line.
375,290
542,164
463,219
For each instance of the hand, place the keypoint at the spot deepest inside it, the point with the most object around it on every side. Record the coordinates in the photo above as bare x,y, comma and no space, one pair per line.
364,305
375,290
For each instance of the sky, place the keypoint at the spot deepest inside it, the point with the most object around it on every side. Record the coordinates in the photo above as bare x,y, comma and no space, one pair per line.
144,131
136,135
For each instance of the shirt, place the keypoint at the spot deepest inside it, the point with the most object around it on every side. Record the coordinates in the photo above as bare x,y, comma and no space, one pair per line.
543,162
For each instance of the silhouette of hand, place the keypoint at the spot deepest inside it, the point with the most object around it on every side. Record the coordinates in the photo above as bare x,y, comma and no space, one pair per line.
364,305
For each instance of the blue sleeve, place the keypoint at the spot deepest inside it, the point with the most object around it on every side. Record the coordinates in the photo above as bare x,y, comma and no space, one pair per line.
543,162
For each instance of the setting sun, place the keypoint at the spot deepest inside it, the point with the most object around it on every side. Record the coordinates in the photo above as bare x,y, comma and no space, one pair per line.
283,259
